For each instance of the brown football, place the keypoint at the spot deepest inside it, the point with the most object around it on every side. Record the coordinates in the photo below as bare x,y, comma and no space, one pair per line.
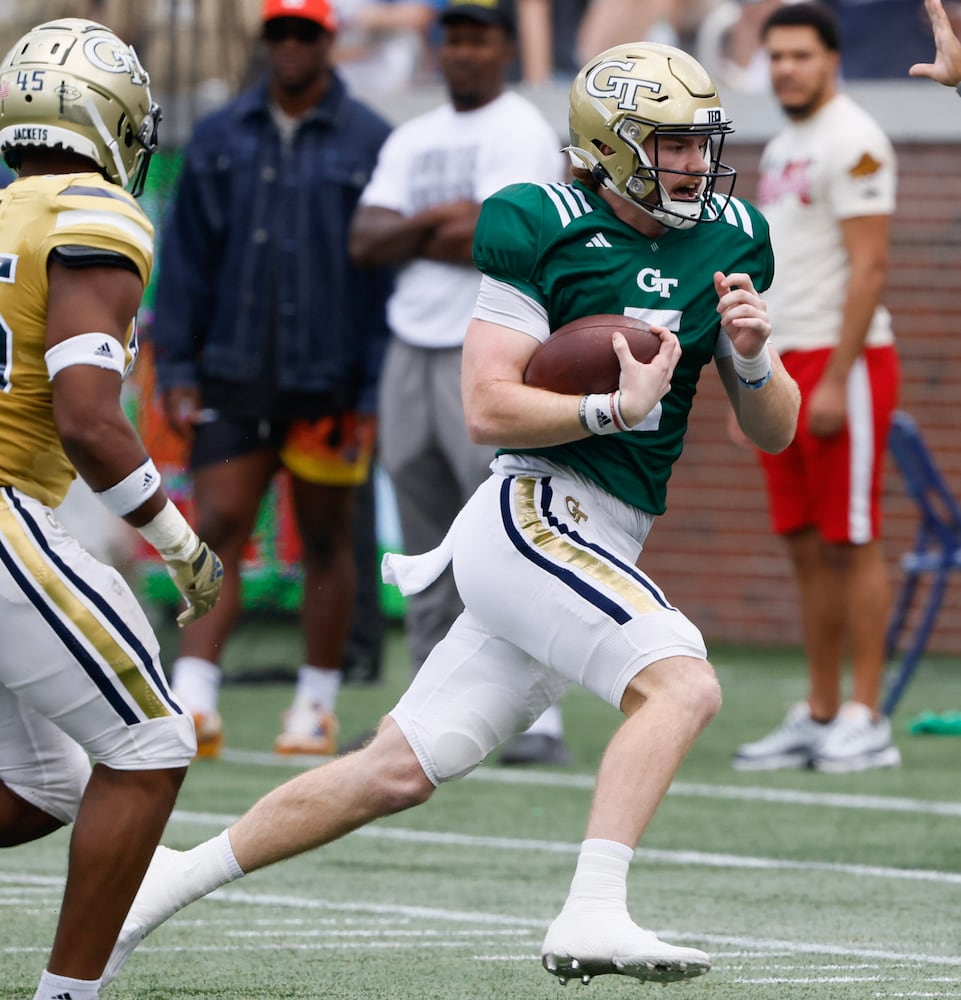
579,356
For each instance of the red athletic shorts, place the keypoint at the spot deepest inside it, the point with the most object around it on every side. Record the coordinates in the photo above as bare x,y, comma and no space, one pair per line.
834,483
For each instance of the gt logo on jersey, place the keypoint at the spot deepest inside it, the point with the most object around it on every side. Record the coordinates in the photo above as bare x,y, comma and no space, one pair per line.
650,279
602,81
106,55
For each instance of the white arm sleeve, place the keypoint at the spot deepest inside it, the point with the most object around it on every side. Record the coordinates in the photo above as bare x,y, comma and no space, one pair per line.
501,303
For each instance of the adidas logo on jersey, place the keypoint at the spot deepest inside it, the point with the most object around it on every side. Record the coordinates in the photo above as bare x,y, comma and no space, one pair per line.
103,351
598,240
63,996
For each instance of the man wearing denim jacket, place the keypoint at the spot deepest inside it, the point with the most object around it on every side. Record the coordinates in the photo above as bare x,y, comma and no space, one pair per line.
268,346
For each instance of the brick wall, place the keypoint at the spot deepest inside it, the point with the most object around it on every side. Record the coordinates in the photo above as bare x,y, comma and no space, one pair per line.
713,552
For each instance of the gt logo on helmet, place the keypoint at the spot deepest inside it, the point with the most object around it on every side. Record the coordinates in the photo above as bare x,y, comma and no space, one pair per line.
624,88
110,57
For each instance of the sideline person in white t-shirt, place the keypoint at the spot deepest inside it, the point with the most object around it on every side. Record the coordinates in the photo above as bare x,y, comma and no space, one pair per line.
827,188
418,213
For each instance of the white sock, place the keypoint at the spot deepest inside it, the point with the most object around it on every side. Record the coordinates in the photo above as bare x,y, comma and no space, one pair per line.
196,683
211,865
600,878
320,685
549,722
53,987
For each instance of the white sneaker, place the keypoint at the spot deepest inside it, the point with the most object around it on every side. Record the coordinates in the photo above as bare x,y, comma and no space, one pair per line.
162,893
794,743
856,742
583,944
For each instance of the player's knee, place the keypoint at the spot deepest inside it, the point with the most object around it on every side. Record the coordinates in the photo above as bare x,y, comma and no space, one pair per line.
687,683
395,778
413,789
704,694
401,785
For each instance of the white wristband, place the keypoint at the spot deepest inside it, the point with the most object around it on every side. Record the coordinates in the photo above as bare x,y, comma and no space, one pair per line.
170,534
752,370
600,413
133,490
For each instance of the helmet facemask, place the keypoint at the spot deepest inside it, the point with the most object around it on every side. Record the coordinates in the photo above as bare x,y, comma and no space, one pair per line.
650,176
146,138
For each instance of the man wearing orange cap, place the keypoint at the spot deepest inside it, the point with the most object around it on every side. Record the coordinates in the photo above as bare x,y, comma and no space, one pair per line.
268,345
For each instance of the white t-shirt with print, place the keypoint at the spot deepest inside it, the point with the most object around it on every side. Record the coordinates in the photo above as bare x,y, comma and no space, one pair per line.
836,165
443,156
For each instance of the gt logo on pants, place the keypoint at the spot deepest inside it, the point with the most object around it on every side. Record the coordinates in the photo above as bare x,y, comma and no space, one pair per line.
574,509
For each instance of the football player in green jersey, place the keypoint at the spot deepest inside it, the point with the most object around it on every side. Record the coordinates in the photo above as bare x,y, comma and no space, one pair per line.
545,553
80,674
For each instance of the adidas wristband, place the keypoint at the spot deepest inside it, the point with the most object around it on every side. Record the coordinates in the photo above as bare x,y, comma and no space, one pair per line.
133,490
600,413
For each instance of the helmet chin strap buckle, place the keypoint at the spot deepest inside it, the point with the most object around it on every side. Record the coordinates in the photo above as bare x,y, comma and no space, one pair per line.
600,174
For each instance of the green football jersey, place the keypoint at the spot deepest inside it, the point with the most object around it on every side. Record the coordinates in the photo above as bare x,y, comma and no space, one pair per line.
562,246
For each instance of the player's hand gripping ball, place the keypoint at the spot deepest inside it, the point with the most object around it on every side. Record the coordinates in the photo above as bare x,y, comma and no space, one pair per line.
579,356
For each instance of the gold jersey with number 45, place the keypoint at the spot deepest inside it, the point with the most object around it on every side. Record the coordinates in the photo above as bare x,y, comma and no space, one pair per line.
38,215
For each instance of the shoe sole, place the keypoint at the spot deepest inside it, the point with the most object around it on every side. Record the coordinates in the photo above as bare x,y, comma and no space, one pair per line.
889,757
651,970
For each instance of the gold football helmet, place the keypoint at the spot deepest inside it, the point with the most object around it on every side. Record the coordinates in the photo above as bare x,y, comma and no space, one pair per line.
73,84
631,92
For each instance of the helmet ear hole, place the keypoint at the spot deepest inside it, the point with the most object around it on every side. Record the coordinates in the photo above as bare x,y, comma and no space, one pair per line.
125,131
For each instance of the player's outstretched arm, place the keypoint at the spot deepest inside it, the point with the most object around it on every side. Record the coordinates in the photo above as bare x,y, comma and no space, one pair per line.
946,67
89,312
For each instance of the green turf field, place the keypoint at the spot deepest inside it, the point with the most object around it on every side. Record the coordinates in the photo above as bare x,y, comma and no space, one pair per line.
800,885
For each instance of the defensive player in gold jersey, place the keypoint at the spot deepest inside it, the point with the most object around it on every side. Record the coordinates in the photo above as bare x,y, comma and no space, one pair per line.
80,676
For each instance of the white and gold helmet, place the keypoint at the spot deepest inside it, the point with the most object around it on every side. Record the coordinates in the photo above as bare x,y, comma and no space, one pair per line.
74,85
631,92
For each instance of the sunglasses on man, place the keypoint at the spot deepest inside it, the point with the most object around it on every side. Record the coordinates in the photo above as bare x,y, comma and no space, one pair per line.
278,29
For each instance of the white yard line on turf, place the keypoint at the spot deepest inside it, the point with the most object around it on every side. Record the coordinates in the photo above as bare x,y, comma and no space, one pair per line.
502,922
742,793
703,859
302,904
